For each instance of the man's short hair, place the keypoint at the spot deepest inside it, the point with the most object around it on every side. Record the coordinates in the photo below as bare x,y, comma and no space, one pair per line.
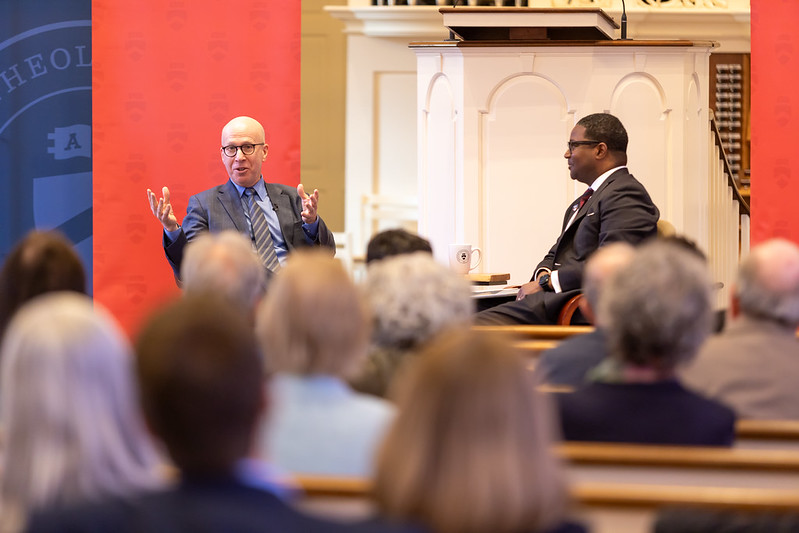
226,264
201,382
606,128
768,283
395,242
657,310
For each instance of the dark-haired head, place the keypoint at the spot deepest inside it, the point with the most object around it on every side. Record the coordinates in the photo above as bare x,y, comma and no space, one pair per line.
43,261
395,242
606,128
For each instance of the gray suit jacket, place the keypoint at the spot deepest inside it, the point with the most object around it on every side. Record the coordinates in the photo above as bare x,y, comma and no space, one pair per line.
219,208
753,366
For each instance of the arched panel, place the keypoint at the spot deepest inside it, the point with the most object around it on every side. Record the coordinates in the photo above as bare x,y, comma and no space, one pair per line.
640,103
524,178
437,182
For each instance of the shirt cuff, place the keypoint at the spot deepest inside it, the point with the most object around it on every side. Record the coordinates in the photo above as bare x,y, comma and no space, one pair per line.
553,279
172,236
538,273
311,230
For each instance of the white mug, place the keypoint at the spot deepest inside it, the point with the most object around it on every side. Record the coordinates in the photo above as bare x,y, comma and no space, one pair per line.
461,257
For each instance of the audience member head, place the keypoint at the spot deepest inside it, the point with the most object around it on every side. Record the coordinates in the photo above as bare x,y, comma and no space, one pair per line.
470,448
657,310
600,267
685,243
412,298
43,261
606,128
768,283
313,320
393,242
201,382
224,263
71,424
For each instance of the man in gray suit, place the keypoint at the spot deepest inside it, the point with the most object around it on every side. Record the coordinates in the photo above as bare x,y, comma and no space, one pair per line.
291,215
753,365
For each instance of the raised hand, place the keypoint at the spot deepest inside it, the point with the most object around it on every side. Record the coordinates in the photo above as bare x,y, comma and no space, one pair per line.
309,204
162,209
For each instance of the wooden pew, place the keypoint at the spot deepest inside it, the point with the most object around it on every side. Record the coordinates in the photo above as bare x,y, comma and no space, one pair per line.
604,507
529,332
533,340
767,434
681,465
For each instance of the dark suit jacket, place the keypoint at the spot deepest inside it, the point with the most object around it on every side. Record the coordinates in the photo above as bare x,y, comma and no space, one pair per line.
198,506
621,210
692,520
219,208
569,362
646,413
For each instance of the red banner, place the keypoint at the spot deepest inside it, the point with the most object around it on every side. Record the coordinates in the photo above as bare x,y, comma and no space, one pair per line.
167,76
775,115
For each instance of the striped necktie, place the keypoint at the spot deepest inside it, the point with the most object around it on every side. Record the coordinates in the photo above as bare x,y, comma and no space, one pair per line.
260,232
584,198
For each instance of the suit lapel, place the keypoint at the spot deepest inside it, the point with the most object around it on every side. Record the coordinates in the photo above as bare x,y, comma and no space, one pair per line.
228,197
589,205
285,211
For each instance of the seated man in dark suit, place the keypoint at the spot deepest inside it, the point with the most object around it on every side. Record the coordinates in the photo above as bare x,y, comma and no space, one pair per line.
616,207
275,217
201,384
656,312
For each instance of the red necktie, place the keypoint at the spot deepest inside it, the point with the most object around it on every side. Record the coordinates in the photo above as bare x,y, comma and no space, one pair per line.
584,198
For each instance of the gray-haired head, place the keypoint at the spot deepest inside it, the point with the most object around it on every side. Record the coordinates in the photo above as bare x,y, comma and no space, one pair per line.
768,283
657,310
413,297
226,264
72,429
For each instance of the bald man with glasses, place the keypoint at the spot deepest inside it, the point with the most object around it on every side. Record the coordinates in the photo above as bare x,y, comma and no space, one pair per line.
277,218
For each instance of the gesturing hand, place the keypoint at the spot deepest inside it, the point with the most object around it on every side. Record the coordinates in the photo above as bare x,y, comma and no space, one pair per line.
309,204
162,209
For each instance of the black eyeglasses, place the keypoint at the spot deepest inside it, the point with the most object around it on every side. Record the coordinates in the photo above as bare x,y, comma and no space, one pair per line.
246,149
573,144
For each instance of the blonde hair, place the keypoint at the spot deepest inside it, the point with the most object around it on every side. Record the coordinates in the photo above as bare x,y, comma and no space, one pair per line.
469,451
69,412
313,320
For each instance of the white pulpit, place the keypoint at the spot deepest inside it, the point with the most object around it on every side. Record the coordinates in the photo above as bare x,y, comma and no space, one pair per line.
494,119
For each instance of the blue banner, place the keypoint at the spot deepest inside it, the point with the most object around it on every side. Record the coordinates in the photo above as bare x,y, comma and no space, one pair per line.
46,121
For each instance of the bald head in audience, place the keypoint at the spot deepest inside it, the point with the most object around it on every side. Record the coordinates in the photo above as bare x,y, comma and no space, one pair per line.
225,264
600,267
768,283
752,365
570,362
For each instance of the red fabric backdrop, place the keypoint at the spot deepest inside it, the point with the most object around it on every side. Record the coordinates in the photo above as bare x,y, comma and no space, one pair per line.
166,77
775,119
